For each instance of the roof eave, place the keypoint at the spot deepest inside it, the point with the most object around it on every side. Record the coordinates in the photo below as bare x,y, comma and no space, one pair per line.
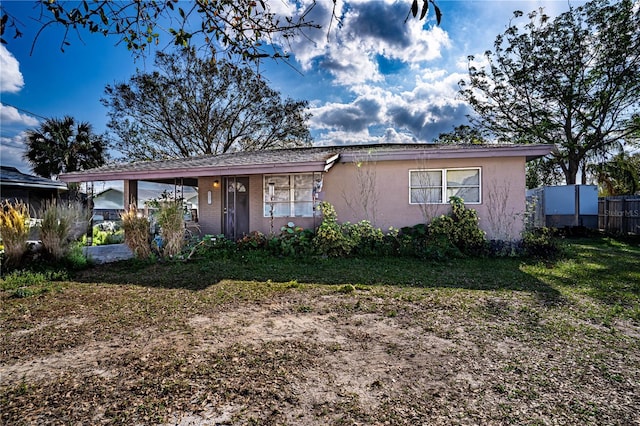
59,186
254,169
530,152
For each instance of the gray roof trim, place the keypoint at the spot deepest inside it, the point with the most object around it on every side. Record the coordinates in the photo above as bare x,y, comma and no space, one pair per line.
530,152
10,176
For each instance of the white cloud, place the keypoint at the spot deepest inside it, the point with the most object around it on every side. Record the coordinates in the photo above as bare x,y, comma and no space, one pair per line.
11,116
365,137
11,80
370,46
356,116
393,136
362,34
437,88
13,149
345,138
408,70
430,107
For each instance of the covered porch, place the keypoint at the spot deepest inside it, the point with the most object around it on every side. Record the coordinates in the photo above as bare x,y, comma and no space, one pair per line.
234,191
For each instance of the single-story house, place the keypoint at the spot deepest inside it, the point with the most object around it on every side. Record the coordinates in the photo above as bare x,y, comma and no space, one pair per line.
391,185
31,190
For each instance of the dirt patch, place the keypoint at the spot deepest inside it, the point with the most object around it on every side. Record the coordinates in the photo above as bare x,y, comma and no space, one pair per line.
316,357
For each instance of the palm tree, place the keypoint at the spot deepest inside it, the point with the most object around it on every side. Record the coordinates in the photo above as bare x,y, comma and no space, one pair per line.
61,146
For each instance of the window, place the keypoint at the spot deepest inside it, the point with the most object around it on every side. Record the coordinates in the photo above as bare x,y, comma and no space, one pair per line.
290,195
437,186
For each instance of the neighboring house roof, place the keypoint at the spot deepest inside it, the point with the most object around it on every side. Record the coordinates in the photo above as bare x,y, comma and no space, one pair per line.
10,176
292,160
109,199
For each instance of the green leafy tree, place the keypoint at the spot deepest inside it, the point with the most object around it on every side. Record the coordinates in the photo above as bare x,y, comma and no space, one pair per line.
620,175
542,172
192,106
573,81
232,27
63,146
462,134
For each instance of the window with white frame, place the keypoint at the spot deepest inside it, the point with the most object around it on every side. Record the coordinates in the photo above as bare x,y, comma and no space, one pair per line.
289,195
436,186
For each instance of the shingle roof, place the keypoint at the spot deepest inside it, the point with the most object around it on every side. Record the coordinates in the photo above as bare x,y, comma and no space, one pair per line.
229,159
10,176
248,162
293,160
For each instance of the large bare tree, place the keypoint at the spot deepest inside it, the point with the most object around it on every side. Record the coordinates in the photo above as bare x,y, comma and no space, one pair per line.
194,106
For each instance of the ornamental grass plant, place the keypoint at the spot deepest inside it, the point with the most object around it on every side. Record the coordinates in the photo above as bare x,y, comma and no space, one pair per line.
136,233
171,221
14,231
60,225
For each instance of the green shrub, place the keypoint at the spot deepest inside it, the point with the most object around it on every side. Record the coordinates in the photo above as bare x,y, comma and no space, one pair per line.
220,242
412,240
346,289
367,240
211,246
22,278
252,241
329,239
460,227
391,242
540,243
14,231
429,242
104,236
292,241
75,259
439,247
22,292
115,238
501,248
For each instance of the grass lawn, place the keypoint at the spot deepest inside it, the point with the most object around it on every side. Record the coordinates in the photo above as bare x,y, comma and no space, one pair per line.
252,339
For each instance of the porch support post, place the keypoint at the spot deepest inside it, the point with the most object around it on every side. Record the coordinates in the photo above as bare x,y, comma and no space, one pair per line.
130,194
91,208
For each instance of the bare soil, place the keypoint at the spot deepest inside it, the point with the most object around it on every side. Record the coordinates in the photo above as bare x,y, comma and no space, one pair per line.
311,355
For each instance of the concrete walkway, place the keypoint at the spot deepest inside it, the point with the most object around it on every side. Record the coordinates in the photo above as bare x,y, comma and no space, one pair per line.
107,253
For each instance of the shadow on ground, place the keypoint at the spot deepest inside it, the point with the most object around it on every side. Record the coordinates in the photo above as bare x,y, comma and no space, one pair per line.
471,273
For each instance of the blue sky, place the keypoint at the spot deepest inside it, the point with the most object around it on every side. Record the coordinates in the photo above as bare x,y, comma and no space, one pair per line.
375,79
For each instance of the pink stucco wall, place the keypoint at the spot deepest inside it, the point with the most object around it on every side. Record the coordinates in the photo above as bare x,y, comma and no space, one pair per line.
501,210
210,215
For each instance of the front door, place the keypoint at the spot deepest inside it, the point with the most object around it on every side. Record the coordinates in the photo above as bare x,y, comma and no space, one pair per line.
236,207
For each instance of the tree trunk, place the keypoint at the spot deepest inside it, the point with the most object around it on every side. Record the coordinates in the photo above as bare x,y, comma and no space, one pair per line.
571,172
